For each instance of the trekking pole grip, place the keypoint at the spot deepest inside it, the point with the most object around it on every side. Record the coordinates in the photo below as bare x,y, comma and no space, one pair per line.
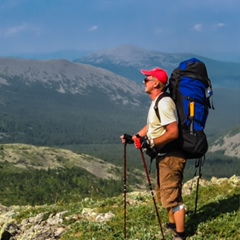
128,138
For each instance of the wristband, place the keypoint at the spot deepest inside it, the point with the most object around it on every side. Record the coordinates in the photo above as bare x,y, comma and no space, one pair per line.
137,135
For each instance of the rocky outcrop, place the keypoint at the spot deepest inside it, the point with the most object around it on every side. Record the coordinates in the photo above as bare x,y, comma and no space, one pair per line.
38,227
42,226
190,186
50,225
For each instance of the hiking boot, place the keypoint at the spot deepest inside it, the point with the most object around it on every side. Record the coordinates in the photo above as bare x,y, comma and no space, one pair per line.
170,228
179,236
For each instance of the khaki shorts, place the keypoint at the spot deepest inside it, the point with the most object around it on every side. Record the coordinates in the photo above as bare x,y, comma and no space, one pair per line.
169,181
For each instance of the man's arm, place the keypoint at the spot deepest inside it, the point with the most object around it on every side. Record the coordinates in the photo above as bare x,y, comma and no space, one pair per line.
170,135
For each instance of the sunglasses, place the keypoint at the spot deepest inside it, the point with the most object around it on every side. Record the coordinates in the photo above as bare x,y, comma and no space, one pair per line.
147,80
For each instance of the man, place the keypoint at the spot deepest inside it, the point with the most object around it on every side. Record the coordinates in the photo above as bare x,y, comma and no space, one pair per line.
162,134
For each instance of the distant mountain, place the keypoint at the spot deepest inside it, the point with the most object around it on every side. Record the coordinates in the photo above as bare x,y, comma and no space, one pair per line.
65,77
228,144
59,102
128,60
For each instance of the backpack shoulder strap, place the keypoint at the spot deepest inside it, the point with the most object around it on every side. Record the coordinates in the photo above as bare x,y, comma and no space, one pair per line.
164,94
174,81
171,145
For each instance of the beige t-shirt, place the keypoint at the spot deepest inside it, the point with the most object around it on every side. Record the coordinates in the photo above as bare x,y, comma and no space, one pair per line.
168,114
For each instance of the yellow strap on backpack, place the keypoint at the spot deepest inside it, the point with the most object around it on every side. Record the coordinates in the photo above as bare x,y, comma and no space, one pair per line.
191,106
191,109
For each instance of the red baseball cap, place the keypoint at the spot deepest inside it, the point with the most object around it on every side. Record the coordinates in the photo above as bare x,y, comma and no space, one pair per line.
158,73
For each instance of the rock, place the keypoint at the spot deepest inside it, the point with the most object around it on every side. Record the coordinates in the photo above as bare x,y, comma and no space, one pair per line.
33,228
50,226
191,185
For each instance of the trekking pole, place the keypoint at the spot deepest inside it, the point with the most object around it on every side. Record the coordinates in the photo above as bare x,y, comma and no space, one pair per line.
151,190
198,163
125,189
128,139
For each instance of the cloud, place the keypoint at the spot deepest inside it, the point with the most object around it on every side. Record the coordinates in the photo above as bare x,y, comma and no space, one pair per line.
15,30
220,25
93,28
197,27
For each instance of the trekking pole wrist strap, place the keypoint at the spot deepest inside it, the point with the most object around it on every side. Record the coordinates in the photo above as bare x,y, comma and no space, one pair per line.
151,142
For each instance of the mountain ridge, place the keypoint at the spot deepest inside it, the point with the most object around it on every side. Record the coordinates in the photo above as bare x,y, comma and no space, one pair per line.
228,144
70,77
95,100
128,60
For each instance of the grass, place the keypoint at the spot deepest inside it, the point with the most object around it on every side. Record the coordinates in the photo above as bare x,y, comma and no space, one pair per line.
217,217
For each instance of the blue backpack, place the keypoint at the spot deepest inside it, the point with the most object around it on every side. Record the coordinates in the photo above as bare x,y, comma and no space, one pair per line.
191,89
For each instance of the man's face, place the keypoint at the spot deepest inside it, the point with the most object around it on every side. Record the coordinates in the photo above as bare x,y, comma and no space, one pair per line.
149,83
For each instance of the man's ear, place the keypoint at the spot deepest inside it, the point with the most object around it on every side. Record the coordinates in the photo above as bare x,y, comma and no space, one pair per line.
156,84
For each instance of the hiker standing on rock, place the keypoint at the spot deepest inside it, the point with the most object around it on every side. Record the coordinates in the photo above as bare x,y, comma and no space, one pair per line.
160,135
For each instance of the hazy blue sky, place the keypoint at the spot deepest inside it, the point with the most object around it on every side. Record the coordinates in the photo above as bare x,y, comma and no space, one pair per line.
197,26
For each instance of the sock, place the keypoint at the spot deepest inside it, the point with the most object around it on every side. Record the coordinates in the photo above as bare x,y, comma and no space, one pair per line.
181,234
171,225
